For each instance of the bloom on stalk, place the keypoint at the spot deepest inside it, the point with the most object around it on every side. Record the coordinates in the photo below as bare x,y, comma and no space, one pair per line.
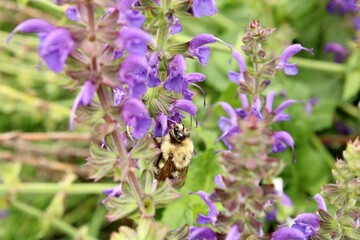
340,52
55,43
197,48
283,64
135,114
202,8
177,81
342,7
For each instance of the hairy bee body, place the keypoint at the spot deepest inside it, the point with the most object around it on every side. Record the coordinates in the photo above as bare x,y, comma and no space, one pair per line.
176,153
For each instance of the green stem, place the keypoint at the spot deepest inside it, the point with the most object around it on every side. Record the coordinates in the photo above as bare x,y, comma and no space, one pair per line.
51,188
55,222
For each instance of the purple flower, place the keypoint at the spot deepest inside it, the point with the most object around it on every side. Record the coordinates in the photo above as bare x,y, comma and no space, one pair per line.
307,223
161,126
134,18
177,81
284,201
283,64
134,40
84,98
211,218
342,7
233,234
197,49
277,114
309,105
55,43
286,233
203,8
133,72
153,69
281,140
55,47
119,95
228,126
234,76
72,13
340,52
175,25
135,114
202,233
320,202
182,105
113,192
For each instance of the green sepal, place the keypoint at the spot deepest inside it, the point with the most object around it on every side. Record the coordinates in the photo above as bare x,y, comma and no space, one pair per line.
180,5
101,161
147,208
178,234
123,206
165,194
149,3
145,148
178,48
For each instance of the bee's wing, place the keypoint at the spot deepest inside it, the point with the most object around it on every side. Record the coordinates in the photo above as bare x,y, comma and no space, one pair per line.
166,170
179,181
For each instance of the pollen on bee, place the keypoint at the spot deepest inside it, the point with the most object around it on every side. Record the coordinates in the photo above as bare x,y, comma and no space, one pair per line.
175,174
161,164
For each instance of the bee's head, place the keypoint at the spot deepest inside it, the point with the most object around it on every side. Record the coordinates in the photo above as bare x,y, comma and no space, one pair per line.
178,133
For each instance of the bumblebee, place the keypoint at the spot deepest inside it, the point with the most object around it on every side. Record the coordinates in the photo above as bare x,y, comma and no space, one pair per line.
176,152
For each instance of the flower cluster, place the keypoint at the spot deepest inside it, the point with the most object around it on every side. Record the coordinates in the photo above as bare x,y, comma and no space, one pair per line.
246,189
134,87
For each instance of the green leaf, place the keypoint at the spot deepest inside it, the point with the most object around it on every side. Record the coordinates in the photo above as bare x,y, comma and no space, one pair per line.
352,78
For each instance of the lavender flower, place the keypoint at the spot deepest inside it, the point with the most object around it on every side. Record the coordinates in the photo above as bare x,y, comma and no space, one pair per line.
72,13
175,25
283,64
202,8
177,81
234,76
340,52
282,140
307,223
203,233
55,43
161,127
286,233
134,18
133,72
153,69
133,40
135,114
342,7
197,49
233,234
211,218
84,98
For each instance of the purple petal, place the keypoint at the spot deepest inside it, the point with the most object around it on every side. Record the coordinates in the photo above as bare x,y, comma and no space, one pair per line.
161,127
175,83
282,139
84,98
269,101
153,79
113,192
244,100
202,233
230,111
202,53
225,124
219,181
284,105
55,48
123,5
340,52
290,68
201,39
72,13
320,202
134,41
309,105
307,223
233,234
133,69
203,8
32,26
141,127
194,77
213,212
286,233
186,106
175,26
240,60
234,77
177,66
134,18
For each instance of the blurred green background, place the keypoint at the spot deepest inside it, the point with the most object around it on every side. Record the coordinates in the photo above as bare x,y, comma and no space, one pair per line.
44,190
